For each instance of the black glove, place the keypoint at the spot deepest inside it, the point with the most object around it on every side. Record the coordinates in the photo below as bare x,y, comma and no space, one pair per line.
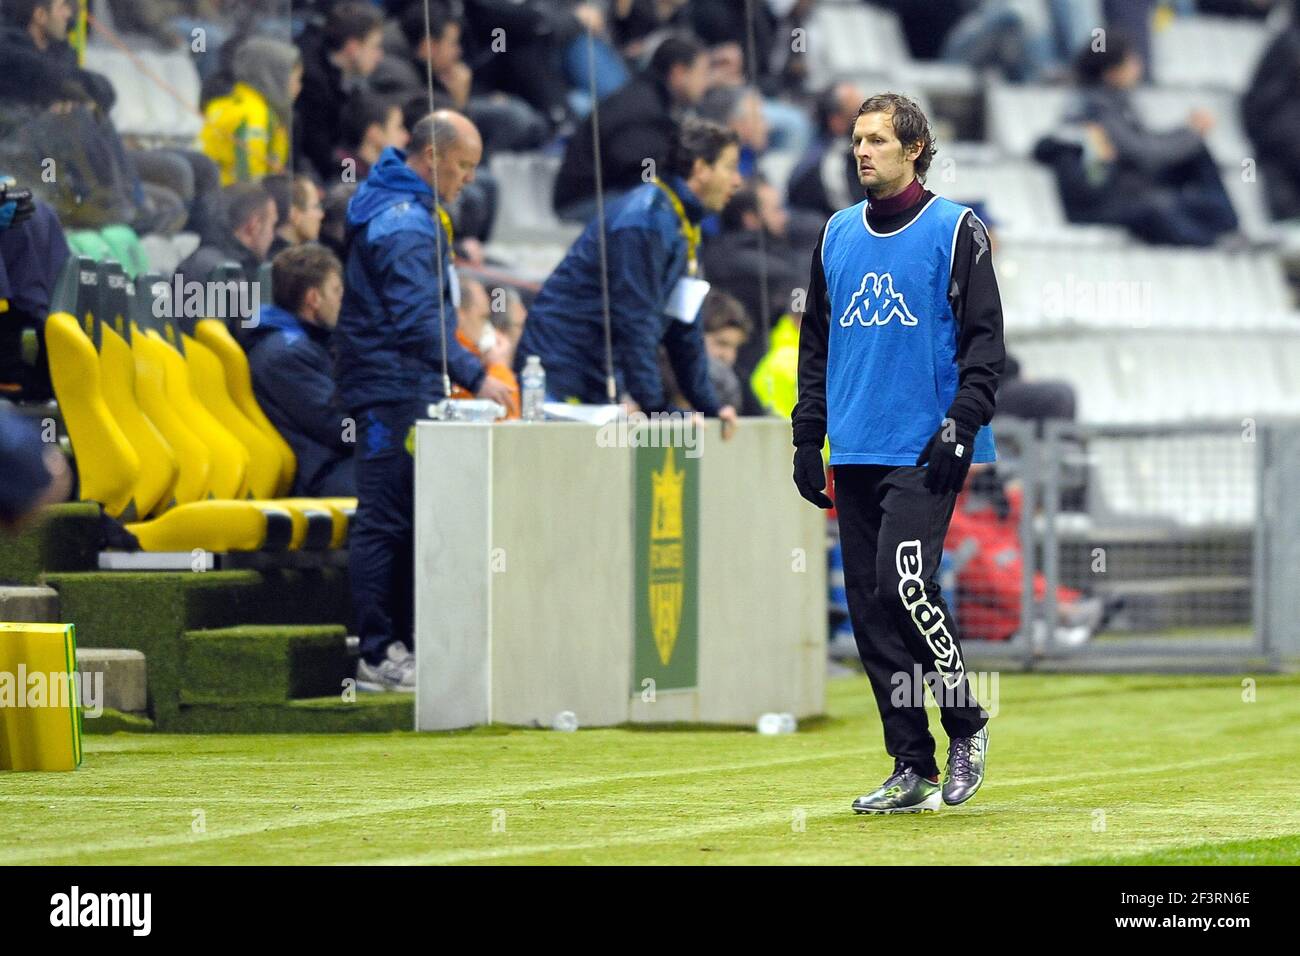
810,475
947,461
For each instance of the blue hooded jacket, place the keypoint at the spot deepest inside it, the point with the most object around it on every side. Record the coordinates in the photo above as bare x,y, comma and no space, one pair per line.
290,364
647,257
389,339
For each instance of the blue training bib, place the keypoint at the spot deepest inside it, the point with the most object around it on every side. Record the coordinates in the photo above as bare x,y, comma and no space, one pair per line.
891,365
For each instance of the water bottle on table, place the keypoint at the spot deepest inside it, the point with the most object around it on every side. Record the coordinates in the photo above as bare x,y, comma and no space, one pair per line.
534,383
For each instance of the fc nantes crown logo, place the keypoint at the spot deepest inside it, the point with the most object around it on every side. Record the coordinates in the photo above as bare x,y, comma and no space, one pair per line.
667,568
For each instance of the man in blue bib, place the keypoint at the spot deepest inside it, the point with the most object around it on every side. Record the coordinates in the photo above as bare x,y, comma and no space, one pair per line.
900,351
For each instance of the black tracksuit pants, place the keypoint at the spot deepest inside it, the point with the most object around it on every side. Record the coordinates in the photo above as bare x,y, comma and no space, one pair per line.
891,535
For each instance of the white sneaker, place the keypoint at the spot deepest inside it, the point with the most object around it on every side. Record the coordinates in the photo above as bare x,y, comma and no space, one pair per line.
395,672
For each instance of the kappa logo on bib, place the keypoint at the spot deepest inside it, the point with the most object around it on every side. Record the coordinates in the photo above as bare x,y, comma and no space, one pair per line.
876,303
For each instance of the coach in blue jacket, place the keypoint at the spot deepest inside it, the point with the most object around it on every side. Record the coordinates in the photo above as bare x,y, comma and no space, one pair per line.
652,246
289,358
389,367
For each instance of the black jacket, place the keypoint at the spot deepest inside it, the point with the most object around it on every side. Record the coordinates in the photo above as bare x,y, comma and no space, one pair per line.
976,305
32,76
636,124
290,363
318,107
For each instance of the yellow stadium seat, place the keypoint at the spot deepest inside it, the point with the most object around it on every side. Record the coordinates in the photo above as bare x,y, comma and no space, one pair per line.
111,333
239,382
110,465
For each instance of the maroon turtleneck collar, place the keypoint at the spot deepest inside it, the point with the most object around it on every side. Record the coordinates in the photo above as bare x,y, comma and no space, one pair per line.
909,197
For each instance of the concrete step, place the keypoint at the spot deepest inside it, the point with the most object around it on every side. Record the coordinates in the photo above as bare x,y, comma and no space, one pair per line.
119,673
29,605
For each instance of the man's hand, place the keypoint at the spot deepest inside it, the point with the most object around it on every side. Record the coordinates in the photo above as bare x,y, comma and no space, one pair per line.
947,456
810,475
730,421
496,390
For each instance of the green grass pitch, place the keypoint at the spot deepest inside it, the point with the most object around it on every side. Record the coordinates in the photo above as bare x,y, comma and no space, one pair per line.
1082,769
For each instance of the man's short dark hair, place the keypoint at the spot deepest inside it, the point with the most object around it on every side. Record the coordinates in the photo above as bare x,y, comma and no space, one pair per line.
20,12
412,22
743,201
242,202
300,268
351,21
280,186
722,311
699,139
1091,66
676,49
911,125
363,110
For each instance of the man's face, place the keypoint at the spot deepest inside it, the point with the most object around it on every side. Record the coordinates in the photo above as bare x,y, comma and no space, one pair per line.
718,181
394,131
456,165
771,211
262,229
52,21
723,344
362,56
883,164
444,52
306,220
1127,75
474,309
329,301
688,84
750,124
295,82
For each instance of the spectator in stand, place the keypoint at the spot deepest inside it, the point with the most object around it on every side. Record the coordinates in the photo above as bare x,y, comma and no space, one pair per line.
334,225
826,177
1270,111
289,358
1164,186
539,34
336,61
475,331
41,71
753,240
637,124
507,122
368,125
39,65
248,229
298,210
653,237
246,132
726,329
740,108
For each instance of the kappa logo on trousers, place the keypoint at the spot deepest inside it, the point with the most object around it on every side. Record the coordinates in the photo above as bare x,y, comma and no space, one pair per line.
929,620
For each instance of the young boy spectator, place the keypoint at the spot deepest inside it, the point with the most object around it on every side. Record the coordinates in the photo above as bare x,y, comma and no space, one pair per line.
246,133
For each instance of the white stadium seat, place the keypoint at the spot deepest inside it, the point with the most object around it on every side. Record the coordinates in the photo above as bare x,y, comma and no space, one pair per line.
1204,51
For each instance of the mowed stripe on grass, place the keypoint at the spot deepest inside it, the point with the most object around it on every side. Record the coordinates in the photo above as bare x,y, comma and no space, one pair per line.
1081,768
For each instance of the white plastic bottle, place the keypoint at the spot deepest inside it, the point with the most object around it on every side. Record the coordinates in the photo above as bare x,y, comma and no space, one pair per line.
534,389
